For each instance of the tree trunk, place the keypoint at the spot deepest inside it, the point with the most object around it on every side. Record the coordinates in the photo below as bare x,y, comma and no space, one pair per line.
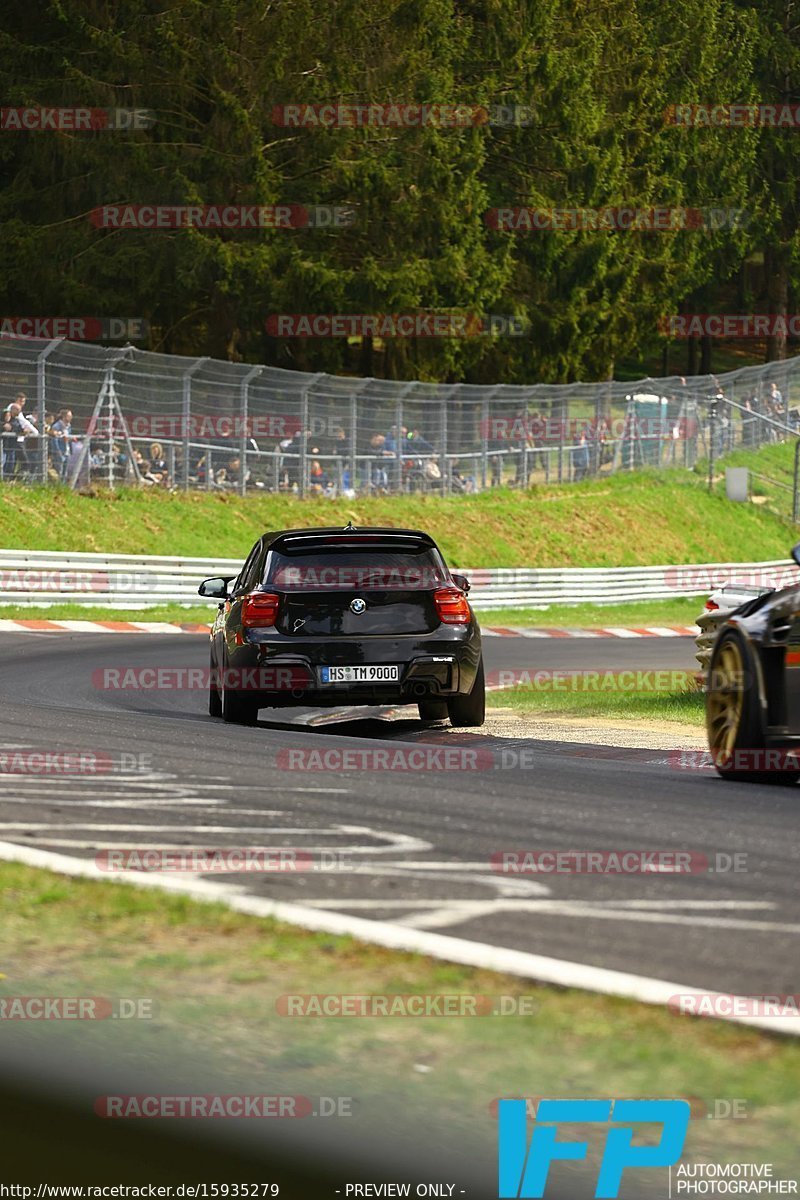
705,355
777,299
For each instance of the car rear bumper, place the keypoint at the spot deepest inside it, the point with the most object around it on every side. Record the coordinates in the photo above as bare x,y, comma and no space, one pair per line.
282,671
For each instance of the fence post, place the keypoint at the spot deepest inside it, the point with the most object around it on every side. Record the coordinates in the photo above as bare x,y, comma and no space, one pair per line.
444,460
186,416
353,455
354,439
398,420
41,405
110,446
485,441
245,394
796,488
712,433
304,430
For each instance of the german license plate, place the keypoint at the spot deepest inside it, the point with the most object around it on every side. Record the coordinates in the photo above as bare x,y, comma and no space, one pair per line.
390,674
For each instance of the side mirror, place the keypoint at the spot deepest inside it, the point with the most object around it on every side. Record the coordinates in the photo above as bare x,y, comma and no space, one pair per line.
796,553
462,582
217,588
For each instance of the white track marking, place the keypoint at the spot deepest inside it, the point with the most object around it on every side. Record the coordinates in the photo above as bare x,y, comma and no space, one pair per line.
141,806
540,967
451,913
259,787
393,843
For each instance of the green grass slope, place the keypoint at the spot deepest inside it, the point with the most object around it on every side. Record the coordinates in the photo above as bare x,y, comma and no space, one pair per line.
637,519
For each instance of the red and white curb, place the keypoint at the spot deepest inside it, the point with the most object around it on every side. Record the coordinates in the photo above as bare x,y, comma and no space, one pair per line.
43,626
613,631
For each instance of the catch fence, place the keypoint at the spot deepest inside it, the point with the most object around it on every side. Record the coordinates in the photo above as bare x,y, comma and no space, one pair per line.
159,420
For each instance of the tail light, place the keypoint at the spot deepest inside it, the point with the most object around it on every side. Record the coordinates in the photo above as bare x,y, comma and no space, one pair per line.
711,606
451,606
260,608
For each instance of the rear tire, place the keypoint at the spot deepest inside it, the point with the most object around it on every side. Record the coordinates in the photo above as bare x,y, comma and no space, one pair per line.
214,701
237,709
433,710
468,712
733,713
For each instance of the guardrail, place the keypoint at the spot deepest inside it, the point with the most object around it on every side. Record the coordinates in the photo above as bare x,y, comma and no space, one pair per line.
45,577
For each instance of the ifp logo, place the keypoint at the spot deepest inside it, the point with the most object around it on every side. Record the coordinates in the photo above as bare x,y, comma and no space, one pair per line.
523,1171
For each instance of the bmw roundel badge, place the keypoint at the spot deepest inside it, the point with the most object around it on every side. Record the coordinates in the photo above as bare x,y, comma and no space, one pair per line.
358,605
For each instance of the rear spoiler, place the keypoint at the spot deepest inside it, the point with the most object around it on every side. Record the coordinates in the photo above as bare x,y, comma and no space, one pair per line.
375,539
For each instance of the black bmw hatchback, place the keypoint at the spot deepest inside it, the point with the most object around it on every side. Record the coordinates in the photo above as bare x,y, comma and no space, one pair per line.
345,617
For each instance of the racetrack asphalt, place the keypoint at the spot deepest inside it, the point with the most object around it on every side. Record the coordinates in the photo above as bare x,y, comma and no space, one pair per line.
416,846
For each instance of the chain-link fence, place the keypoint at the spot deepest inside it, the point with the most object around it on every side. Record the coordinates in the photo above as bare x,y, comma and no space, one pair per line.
77,414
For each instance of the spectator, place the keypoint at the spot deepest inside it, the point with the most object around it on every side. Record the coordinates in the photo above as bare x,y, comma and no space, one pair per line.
778,410
10,433
318,480
390,442
157,470
20,400
16,428
461,483
61,439
580,459
379,476
233,473
143,467
415,443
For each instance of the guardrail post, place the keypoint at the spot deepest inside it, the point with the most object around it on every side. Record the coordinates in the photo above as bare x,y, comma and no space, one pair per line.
186,416
245,395
41,405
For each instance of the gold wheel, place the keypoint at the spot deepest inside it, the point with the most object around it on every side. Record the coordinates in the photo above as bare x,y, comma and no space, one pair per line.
725,700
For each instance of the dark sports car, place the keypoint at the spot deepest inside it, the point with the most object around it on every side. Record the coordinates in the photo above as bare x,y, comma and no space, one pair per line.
345,616
753,689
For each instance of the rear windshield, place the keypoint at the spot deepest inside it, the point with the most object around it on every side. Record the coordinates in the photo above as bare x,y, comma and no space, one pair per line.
339,570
